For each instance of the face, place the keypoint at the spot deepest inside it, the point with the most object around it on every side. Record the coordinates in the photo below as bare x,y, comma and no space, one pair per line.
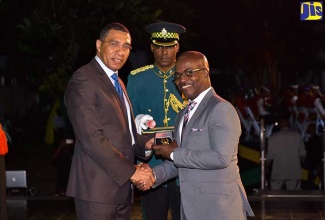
115,49
191,85
165,57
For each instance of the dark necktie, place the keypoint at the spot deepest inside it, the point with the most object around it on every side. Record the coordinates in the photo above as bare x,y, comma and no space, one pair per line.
118,87
190,107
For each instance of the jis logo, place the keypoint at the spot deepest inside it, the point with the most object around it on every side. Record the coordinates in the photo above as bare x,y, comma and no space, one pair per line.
311,11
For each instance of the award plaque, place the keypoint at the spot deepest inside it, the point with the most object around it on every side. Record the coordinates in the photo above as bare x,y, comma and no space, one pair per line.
163,135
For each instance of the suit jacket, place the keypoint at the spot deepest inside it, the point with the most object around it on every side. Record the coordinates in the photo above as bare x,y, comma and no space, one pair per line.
206,163
281,144
103,159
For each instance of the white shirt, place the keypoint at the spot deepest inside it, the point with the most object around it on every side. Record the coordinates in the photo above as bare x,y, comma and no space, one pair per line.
109,73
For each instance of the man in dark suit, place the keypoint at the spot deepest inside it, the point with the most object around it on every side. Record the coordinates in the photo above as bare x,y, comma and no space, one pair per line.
204,151
106,140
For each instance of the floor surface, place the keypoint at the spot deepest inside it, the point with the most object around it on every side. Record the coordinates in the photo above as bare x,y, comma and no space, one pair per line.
275,205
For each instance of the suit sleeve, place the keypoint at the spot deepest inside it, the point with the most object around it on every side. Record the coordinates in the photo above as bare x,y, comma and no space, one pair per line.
164,172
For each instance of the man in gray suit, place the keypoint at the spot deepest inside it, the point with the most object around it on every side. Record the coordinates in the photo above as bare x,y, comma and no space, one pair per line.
106,139
286,173
204,151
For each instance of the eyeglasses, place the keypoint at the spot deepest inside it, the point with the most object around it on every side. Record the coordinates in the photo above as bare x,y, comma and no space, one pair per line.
186,73
116,45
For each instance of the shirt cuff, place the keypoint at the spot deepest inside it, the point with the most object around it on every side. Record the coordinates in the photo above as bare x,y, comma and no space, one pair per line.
147,152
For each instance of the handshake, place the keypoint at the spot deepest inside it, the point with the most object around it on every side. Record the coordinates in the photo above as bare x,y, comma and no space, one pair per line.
143,178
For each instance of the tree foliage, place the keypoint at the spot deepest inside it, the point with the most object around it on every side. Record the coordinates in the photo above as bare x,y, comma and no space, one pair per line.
61,34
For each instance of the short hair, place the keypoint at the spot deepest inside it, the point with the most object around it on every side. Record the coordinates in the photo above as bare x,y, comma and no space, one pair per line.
112,26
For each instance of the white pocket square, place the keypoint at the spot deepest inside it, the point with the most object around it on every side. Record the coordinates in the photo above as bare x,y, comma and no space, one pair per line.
196,129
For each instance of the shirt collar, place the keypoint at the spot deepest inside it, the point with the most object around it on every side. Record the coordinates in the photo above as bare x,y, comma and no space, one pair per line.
108,71
201,96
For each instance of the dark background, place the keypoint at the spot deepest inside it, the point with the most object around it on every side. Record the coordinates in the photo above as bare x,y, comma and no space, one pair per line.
249,43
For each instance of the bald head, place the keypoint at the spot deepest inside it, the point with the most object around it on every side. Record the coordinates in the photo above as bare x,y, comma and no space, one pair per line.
194,56
192,74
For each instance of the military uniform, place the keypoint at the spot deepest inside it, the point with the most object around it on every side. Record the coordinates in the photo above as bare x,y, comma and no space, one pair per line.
152,91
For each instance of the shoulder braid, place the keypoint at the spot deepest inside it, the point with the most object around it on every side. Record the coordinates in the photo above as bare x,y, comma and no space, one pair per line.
141,69
175,103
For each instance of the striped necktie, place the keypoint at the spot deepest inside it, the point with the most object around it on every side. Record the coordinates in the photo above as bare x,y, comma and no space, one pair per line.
190,107
118,87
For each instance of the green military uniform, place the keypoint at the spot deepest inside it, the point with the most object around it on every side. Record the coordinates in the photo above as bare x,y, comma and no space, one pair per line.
153,92
159,96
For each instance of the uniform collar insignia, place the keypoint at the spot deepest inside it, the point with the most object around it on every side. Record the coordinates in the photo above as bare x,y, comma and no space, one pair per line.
161,73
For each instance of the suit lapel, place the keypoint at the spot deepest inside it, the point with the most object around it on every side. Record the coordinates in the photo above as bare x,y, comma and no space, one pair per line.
198,111
176,128
107,86
131,109
104,83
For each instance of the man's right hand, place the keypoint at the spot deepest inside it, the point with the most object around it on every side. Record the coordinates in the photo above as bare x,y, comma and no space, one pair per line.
143,177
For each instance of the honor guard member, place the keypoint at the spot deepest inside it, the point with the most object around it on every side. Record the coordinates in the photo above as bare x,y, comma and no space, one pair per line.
152,91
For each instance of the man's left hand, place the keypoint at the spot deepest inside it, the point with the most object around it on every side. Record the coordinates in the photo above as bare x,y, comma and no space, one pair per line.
165,150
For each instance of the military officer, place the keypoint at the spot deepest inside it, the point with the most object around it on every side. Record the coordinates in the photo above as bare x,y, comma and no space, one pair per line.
152,91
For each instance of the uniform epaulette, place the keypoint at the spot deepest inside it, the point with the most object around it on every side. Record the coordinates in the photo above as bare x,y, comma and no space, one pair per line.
141,69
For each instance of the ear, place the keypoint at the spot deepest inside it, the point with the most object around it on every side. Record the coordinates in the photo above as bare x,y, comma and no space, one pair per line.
177,48
151,48
207,72
98,44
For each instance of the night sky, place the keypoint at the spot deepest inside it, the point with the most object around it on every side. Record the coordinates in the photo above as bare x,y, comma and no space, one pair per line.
240,31
242,40
232,34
